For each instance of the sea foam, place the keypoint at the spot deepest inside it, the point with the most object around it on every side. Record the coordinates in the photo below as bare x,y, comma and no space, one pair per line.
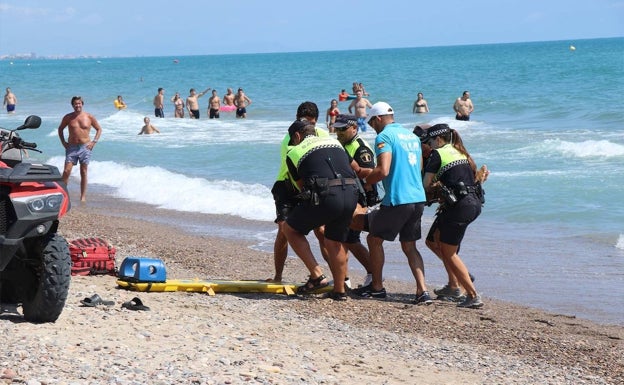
588,148
620,242
169,190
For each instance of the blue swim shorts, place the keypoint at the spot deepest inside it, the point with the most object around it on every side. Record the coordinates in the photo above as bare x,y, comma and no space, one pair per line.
361,122
77,152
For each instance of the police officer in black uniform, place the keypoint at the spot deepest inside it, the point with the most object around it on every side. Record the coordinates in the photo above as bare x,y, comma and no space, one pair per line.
322,170
451,173
363,163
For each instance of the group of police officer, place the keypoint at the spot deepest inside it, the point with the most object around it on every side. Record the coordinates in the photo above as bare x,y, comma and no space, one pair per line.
325,184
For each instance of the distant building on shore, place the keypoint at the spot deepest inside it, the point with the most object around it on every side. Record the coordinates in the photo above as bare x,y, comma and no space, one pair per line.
19,56
34,56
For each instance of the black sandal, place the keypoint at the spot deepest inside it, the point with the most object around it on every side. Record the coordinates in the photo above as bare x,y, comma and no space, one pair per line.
337,296
313,284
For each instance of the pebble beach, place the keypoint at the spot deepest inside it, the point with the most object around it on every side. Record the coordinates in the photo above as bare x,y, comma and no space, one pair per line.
195,338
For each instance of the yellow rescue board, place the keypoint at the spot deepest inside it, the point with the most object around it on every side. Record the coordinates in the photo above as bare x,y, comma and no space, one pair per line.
213,286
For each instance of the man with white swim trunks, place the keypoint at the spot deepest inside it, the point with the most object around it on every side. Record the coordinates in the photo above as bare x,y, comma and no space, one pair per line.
78,146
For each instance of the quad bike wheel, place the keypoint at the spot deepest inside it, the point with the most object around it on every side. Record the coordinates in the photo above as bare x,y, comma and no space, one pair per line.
46,299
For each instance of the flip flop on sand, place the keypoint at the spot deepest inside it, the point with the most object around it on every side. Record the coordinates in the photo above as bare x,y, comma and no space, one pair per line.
135,304
96,300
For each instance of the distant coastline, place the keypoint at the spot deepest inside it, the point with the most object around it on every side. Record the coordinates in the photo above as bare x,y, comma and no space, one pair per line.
35,56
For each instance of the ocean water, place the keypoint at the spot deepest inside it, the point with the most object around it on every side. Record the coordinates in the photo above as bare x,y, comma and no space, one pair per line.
548,122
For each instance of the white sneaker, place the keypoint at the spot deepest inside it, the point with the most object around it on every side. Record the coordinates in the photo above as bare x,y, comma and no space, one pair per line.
347,283
368,280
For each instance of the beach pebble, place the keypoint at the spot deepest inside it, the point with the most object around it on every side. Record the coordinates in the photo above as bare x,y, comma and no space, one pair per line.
192,338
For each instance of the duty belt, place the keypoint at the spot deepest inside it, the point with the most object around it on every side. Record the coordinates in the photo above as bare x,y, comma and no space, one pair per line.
341,182
461,191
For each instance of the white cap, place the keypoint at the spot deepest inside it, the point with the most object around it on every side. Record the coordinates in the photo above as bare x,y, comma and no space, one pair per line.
380,108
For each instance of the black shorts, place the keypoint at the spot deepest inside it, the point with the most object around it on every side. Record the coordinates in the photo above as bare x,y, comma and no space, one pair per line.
402,220
465,117
452,222
159,112
241,111
214,113
195,113
334,211
284,197
353,237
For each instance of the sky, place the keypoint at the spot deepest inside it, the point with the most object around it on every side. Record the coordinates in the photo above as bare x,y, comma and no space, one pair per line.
204,27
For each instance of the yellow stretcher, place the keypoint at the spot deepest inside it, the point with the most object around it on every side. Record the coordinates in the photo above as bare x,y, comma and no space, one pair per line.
213,286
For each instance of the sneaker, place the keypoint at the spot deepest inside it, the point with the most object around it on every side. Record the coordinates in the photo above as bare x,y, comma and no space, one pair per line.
471,302
347,284
423,299
447,292
369,292
368,280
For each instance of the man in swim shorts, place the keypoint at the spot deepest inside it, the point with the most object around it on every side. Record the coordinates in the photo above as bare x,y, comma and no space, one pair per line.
192,104
228,100
78,146
463,107
214,103
10,100
241,101
159,103
360,104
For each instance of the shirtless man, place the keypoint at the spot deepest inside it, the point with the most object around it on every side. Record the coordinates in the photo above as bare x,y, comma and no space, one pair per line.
159,103
148,128
228,99
78,146
192,104
9,101
360,104
463,107
241,101
214,103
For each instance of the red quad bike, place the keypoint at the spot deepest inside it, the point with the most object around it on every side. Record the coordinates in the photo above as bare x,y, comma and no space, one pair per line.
34,260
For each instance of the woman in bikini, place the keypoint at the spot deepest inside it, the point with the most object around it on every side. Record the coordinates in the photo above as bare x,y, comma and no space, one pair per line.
420,105
178,104
330,116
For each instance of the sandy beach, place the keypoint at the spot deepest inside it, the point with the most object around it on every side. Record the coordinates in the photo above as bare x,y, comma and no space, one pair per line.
194,338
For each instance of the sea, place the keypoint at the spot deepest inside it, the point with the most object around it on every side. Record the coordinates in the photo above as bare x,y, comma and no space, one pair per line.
548,123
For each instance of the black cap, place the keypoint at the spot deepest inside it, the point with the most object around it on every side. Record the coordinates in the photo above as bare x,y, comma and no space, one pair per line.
343,120
421,131
437,130
297,126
